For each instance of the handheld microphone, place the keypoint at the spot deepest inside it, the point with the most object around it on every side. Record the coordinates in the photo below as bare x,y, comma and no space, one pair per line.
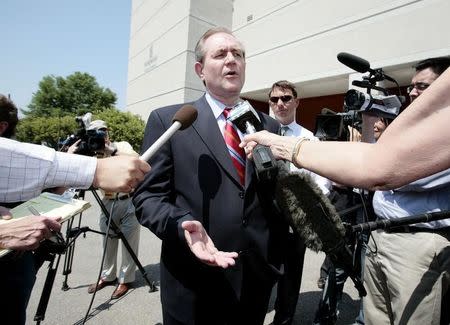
354,62
311,214
182,119
245,118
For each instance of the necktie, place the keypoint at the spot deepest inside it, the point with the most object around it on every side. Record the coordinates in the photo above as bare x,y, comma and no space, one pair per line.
285,130
232,140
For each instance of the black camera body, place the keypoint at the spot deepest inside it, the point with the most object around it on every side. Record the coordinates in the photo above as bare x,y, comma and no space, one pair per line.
334,126
387,106
91,142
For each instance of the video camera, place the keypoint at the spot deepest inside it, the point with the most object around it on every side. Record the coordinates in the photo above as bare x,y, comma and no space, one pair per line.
91,140
356,102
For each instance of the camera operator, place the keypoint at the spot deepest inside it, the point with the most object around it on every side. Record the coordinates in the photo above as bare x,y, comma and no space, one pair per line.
122,213
283,102
408,268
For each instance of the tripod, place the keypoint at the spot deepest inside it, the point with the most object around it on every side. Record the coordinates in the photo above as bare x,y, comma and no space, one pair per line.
69,250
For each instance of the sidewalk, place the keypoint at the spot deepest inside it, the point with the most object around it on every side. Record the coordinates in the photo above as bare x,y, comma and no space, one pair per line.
139,306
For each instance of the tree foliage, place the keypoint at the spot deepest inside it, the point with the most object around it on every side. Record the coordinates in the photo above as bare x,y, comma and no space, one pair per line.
77,94
123,126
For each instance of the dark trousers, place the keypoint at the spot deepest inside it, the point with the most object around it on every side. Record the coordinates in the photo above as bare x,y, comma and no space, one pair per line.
18,274
288,288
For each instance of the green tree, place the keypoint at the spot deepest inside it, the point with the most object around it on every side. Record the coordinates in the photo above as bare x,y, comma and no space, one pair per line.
123,126
75,95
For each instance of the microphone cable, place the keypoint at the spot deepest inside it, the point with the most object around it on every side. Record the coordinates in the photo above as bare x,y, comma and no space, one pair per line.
107,236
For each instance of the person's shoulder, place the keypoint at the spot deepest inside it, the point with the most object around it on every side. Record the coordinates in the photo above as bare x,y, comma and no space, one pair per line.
166,110
268,121
170,110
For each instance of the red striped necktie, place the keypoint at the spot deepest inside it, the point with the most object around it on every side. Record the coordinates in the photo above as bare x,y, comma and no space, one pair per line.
232,140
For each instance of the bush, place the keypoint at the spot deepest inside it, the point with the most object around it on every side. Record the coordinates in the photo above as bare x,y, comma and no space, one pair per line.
123,126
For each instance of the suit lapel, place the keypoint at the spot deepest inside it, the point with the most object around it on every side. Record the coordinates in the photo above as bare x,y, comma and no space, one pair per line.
207,129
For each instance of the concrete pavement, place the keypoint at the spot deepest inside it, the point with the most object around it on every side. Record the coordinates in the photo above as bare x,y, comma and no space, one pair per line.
139,306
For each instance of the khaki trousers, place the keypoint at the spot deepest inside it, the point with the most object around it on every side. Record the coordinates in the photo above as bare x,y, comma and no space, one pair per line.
405,276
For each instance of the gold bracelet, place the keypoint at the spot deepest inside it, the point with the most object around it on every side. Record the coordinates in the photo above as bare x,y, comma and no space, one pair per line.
296,149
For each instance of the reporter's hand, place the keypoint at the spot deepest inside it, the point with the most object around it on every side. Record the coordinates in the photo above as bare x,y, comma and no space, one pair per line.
26,233
203,247
74,147
5,213
120,173
280,146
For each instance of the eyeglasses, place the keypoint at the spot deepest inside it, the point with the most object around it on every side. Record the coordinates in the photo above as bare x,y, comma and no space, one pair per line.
420,86
284,99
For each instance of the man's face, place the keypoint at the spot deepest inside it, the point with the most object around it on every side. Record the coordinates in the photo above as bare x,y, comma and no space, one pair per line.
421,80
378,128
223,67
283,109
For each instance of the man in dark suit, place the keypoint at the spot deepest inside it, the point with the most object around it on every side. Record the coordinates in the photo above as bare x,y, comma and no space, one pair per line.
221,236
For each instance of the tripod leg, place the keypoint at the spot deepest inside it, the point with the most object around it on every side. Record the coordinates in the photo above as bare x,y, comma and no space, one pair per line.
70,250
119,233
45,296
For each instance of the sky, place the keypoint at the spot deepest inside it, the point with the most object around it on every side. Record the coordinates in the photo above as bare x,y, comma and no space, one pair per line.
60,37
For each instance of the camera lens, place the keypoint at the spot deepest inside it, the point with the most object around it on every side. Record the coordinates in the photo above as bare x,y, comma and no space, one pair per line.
354,99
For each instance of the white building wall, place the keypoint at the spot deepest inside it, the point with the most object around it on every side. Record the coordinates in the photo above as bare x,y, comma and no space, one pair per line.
296,40
299,40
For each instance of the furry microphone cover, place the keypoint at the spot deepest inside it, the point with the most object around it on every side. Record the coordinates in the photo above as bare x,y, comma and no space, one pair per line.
297,195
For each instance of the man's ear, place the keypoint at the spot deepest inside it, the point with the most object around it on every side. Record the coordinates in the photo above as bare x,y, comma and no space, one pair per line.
199,70
3,127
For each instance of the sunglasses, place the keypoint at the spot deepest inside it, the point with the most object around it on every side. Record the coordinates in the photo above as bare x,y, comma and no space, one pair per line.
420,86
284,99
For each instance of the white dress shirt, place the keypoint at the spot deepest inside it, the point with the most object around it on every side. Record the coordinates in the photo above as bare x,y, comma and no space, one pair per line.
217,109
296,130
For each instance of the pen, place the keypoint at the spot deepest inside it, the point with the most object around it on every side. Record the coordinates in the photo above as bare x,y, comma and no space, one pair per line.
33,210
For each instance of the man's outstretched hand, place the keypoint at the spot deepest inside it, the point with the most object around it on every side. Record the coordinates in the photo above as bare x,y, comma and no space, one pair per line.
203,247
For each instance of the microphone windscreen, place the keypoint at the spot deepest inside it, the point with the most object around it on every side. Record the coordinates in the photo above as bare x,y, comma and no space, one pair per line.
186,115
354,62
309,212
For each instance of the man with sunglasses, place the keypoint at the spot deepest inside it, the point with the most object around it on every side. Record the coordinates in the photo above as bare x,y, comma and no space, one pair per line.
283,103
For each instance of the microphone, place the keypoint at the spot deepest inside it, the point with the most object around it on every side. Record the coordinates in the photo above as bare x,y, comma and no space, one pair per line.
182,119
360,65
311,214
354,62
245,118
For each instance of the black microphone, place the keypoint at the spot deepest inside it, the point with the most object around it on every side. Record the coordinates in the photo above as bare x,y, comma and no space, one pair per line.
361,83
354,62
182,119
245,118
311,214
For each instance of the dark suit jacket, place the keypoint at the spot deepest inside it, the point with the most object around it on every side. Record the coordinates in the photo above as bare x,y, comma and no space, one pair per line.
193,178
